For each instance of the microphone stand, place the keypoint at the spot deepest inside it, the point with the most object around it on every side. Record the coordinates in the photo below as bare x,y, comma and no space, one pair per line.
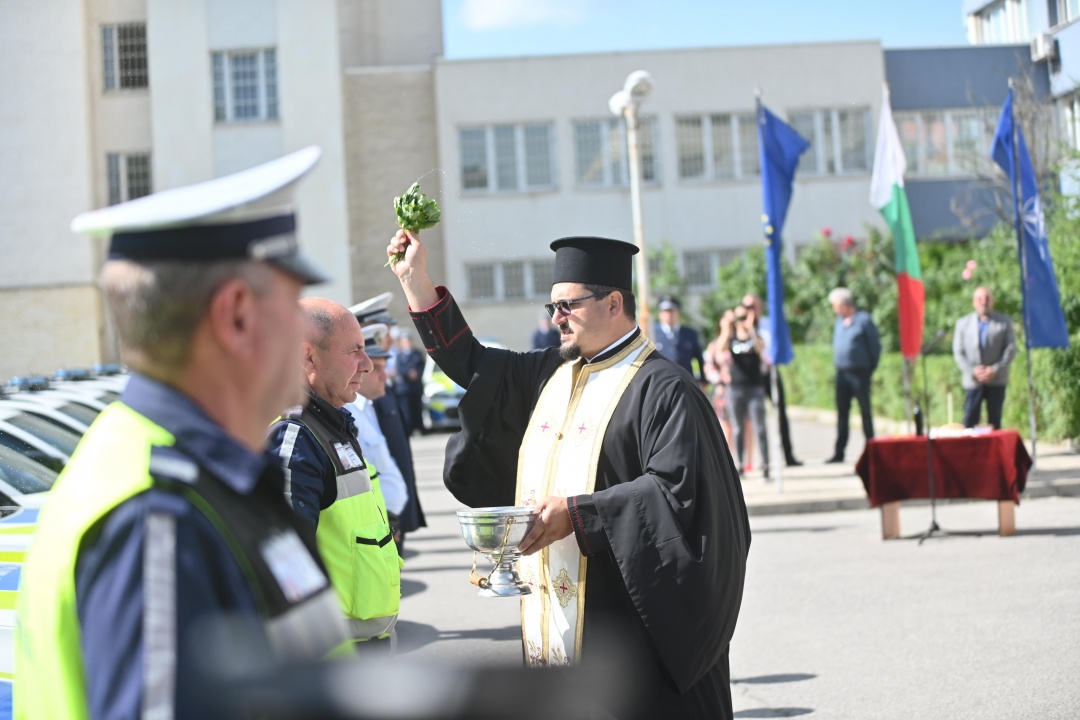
934,527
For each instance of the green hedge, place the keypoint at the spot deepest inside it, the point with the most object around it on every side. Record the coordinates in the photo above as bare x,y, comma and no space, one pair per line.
808,382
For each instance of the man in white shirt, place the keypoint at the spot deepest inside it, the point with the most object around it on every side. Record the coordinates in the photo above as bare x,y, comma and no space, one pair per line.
371,439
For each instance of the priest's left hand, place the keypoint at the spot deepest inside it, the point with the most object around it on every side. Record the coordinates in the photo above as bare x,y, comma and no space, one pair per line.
552,524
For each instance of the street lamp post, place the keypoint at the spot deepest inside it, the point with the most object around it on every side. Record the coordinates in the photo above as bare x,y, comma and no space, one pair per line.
625,103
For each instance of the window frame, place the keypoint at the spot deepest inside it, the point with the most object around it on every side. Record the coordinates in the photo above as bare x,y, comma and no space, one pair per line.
742,164
826,121
118,176
521,157
607,160
916,165
268,102
528,280
112,78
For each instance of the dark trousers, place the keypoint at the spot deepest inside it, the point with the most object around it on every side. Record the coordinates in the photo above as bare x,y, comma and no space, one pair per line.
853,383
995,400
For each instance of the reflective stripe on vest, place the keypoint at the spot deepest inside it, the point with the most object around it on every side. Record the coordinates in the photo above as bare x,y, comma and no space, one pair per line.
112,464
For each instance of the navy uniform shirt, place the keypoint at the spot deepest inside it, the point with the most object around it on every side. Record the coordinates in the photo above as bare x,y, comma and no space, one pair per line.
110,585
310,476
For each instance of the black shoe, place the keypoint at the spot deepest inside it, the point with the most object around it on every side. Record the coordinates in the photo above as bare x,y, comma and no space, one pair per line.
765,473
835,460
792,462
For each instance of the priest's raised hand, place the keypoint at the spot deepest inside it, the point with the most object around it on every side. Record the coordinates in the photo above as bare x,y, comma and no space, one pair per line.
412,270
552,524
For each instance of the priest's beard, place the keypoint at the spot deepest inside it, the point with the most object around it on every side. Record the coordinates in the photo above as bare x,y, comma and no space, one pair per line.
568,351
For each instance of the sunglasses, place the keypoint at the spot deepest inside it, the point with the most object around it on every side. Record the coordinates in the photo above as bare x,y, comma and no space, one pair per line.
565,307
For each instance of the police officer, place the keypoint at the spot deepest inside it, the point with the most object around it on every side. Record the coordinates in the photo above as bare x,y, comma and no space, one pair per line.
390,413
330,486
676,341
169,516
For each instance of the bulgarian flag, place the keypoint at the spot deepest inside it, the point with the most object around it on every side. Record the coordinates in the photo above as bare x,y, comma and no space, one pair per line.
888,196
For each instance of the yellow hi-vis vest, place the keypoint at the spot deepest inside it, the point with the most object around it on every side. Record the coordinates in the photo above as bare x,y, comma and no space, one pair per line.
112,464
354,536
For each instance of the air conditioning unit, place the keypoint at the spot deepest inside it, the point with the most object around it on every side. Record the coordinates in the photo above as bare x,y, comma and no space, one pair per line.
1044,47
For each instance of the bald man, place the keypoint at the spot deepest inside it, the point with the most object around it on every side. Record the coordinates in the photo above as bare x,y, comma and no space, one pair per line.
327,481
984,346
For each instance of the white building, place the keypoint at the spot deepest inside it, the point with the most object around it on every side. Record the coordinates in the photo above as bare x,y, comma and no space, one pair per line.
530,153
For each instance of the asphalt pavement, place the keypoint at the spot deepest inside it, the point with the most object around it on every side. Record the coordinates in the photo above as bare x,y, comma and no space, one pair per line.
836,623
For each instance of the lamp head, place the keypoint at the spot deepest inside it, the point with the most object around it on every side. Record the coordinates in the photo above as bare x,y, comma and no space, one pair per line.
638,84
619,102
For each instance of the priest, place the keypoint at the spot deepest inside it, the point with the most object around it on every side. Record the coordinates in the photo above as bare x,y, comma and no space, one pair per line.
642,533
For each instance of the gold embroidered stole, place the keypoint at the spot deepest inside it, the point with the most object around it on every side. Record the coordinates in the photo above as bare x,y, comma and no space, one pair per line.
558,457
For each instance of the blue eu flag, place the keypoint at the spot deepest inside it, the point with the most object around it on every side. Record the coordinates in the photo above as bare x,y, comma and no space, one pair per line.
1044,322
780,147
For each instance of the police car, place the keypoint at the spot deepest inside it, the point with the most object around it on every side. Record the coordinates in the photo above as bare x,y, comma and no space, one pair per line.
442,395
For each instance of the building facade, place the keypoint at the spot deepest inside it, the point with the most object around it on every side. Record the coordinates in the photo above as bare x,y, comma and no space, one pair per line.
135,96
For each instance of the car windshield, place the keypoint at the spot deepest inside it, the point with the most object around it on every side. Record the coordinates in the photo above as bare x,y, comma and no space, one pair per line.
35,454
82,413
60,438
23,474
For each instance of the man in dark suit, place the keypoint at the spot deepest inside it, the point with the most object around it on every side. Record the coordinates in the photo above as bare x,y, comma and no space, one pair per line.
545,335
396,431
675,341
408,383
984,346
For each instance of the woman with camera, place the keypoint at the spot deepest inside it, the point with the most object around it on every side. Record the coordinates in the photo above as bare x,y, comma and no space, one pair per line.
746,389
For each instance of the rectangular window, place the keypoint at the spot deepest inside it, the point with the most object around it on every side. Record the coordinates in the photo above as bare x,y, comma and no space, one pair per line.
940,143
506,158
112,178
700,269
538,165
123,56
543,276
481,281
717,146
839,141
245,85
513,280
127,176
1068,10
690,142
601,152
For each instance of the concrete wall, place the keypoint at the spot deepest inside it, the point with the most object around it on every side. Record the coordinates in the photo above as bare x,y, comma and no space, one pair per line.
1066,75
690,214
390,141
389,32
942,78
46,328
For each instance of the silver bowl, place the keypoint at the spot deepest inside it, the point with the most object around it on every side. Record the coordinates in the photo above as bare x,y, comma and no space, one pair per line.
496,532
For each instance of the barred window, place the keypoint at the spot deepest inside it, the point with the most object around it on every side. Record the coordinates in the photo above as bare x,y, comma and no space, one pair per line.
749,159
517,157
601,152
123,55
138,175
127,176
723,145
245,85
481,281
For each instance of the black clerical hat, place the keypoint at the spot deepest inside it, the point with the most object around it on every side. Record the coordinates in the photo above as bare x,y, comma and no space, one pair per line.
594,261
244,216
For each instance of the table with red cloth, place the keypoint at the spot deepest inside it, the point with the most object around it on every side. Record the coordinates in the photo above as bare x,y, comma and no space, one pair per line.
986,466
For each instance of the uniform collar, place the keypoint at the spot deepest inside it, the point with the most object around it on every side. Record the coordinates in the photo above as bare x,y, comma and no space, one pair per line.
196,434
337,418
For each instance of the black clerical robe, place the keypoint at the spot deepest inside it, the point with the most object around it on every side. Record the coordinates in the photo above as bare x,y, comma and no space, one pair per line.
665,531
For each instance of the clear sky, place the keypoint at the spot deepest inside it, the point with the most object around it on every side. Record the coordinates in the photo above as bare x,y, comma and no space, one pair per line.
494,28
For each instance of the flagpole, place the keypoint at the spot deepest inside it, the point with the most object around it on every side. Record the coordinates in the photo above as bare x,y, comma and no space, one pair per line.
1018,219
907,396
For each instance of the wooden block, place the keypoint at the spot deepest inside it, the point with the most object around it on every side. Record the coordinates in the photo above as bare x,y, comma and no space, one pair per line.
890,521
1006,518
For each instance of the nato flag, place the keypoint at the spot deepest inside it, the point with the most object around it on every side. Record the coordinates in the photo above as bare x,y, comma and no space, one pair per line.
1044,322
780,147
